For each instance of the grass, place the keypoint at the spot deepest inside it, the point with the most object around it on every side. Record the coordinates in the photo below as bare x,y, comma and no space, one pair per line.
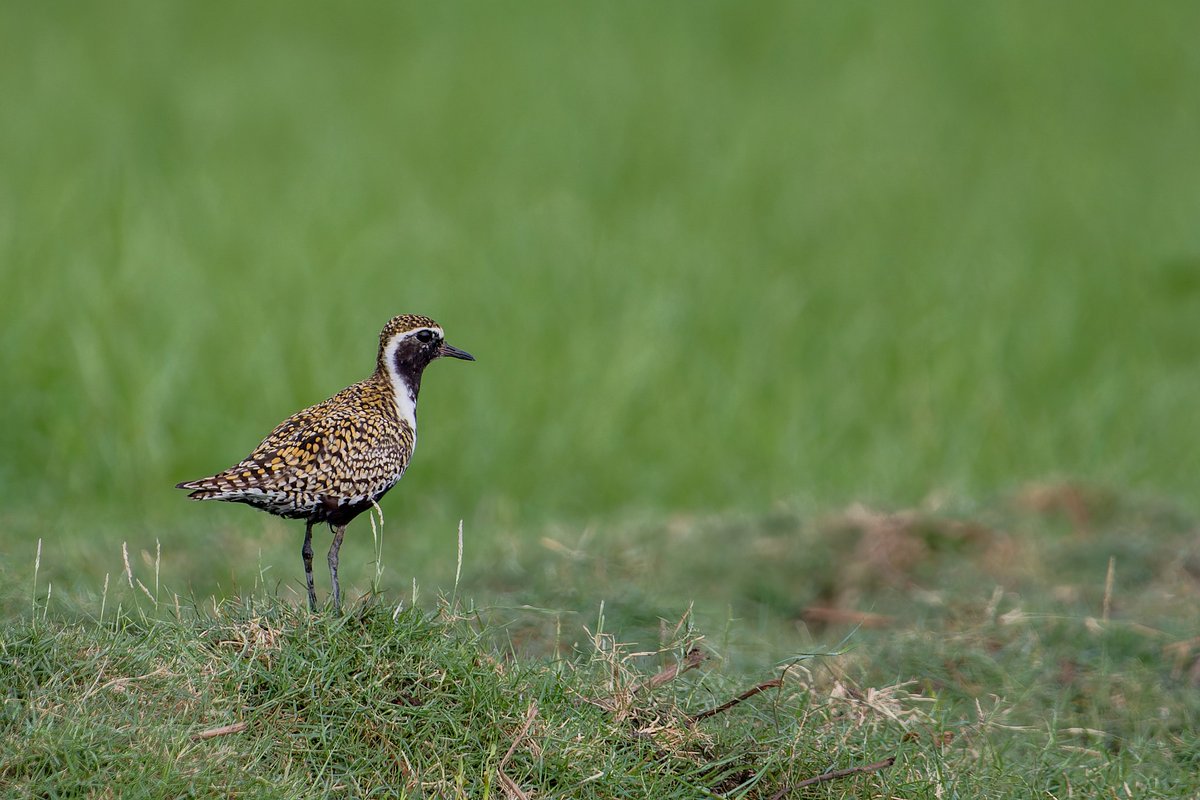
743,281
378,703
1038,647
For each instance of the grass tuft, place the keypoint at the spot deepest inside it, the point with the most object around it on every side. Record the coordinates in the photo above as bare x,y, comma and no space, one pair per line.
261,698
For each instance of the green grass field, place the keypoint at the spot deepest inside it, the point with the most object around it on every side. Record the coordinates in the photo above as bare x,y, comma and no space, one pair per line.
737,276
1041,647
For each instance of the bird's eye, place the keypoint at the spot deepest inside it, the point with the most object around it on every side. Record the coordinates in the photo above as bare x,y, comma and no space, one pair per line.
425,336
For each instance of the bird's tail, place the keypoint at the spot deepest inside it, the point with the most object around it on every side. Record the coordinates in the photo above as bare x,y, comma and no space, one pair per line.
203,488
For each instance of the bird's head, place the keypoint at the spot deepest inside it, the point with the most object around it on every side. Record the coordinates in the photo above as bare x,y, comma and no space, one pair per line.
409,342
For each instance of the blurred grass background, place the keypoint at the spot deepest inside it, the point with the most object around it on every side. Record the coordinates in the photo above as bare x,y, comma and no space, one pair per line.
710,256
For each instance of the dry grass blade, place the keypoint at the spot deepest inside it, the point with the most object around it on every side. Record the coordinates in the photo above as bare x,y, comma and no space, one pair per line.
224,730
694,658
511,789
1106,608
774,683
834,775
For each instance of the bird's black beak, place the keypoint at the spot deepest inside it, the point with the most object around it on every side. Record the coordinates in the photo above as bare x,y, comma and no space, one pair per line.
454,352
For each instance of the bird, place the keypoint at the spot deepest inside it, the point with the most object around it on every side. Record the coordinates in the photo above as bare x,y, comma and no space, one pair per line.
334,460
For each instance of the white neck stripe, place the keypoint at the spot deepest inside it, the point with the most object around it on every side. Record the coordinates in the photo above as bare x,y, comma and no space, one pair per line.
406,404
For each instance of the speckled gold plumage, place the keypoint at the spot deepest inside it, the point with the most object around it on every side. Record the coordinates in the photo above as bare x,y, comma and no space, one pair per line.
331,461
345,451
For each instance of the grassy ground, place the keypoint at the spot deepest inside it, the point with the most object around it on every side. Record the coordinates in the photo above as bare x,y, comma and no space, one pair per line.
726,268
1040,647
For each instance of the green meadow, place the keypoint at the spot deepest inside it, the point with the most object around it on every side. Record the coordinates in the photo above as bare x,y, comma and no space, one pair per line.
852,343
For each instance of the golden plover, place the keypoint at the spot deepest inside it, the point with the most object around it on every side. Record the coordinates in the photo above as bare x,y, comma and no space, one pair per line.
330,462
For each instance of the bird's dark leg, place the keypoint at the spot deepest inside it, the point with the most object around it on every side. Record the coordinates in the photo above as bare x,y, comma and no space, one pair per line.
306,552
338,532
